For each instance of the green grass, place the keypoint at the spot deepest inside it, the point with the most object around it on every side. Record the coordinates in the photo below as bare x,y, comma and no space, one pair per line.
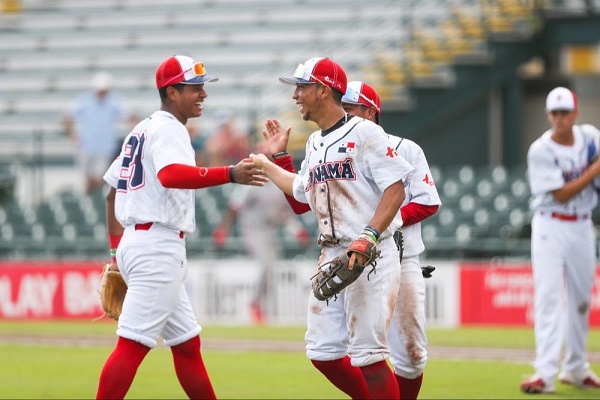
474,336
42,371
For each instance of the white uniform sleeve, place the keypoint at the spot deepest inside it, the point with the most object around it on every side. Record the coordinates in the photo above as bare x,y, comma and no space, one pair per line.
383,162
422,187
172,145
112,174
543,172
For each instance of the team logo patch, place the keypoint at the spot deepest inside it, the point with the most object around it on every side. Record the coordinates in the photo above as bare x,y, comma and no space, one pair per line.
330,171
428,180
391,153
347,147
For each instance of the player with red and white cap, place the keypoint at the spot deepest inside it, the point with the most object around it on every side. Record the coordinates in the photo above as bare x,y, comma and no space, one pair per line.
150,208
353,180
562,166
407,338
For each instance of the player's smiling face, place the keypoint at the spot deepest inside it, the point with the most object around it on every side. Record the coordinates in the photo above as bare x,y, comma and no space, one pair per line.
306,99
185,101
192,97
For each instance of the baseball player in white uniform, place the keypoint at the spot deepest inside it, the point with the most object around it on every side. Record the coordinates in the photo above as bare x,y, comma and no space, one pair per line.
150,209
354,182
562,166
407,338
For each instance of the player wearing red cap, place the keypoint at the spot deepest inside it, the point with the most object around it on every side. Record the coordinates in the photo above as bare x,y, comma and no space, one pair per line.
407,339
150,208
354,183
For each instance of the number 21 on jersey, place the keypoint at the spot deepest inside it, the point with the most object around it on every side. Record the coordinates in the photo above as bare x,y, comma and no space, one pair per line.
131,176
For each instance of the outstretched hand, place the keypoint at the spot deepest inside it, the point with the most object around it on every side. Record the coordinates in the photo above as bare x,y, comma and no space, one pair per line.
277,139
246,173
259,161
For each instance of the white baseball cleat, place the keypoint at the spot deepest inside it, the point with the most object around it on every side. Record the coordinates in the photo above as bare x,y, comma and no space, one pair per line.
537,385
589,380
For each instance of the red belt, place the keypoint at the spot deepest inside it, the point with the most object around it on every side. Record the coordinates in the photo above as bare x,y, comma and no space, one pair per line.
148,225
567,217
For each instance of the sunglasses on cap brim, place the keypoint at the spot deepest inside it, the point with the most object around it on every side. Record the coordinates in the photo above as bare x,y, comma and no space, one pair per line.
198,71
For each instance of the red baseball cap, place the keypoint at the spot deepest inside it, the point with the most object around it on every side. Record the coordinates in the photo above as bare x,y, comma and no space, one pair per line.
182,69
360,93
319,70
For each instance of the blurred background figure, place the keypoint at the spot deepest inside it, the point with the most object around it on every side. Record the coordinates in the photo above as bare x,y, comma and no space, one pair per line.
92,122
262,214
199,139
229,143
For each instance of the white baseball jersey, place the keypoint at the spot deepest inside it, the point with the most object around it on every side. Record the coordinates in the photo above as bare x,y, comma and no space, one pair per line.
551,165
420,189
154,143
563,252
153,261
344,174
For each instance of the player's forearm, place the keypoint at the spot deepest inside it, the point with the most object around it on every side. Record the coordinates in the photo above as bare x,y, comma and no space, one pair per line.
112,225
388,206
286,163
283,179
181,176
114,228
574,187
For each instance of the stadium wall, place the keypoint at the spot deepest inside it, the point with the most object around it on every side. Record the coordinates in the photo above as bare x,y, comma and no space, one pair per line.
460,293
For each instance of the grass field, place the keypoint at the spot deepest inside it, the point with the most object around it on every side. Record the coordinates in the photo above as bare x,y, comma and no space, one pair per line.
35,368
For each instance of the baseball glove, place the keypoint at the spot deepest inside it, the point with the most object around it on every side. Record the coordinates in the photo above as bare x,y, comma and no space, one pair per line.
334,276
427,270
112,292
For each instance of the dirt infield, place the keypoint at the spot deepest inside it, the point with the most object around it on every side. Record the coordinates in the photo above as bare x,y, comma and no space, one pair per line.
236,345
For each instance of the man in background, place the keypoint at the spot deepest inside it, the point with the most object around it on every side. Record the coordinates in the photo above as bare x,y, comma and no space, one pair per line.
92,122
563,168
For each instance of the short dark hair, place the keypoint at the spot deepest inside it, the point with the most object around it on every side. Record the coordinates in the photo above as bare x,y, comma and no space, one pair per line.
163,91
337,95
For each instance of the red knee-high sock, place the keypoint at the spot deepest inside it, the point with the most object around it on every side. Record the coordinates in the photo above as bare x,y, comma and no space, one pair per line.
120,369
191,371
344,376
409,388
381,381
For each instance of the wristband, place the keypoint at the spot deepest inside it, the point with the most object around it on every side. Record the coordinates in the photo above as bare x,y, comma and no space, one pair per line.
279,154
371,231
231,174
369,236
113,254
